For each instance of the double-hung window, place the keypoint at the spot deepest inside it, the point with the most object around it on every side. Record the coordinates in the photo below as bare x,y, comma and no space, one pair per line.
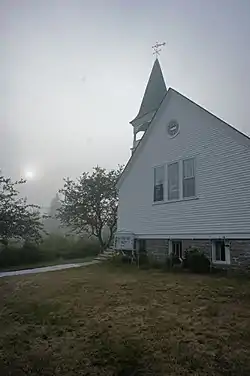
159,183
188,178
180,179
173,181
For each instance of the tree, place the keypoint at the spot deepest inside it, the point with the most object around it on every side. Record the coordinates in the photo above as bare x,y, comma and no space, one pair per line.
52,223
54,206
90,203
18,219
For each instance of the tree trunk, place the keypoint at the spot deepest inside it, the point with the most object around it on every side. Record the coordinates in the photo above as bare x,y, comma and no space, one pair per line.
103,247
111,236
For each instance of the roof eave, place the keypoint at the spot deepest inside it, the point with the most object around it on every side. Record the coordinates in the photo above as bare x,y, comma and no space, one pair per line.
139,146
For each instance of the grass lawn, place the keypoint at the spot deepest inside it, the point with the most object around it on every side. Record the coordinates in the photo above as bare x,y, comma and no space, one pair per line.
48,263
107,320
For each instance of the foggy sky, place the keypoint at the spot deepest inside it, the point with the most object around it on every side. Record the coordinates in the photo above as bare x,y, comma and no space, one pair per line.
73,73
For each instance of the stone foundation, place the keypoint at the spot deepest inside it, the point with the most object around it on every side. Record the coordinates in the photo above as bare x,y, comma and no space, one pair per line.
158,250
240,253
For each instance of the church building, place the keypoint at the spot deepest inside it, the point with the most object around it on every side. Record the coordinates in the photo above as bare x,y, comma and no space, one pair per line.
187,183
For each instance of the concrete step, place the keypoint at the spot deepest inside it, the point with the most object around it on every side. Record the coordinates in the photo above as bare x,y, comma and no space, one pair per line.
104,256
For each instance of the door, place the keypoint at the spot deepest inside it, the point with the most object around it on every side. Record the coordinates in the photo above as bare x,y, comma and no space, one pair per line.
177,248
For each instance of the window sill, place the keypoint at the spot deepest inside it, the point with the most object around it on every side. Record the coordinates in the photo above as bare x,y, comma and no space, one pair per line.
172,201
216,262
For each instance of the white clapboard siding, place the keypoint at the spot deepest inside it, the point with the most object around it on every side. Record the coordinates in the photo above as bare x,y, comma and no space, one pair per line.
222,176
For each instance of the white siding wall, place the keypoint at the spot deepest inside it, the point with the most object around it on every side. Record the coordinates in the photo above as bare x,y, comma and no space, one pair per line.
222,177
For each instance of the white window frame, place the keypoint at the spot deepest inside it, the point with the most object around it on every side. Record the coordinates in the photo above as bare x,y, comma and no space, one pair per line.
170,247
227,253
191,177
179,185
165,166
163,183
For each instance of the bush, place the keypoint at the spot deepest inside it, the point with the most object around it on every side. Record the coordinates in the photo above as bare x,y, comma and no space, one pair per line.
31,254
52,248
15,256
143,258
196,261
176,260
10,256
155,264
120,260
168,263
69,247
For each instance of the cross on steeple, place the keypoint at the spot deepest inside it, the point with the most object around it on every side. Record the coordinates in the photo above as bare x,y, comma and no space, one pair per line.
157,48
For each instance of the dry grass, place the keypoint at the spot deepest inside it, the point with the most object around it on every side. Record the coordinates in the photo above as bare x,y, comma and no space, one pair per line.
106,320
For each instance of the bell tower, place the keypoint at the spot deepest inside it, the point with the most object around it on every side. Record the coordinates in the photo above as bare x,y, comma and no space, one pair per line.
154,93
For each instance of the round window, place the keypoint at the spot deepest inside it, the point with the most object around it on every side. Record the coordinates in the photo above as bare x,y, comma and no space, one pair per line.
173,128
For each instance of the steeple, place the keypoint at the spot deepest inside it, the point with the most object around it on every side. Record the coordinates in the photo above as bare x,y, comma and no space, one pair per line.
153,96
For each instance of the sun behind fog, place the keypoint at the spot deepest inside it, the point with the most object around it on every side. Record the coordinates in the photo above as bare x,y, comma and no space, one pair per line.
29,174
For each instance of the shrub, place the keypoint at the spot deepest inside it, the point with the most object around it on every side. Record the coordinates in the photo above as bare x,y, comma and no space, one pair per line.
120,260
126,259
172,262
52,248
15,256
168,263
196,261
31,254
155,264
58,246
143,258
175,260
9,255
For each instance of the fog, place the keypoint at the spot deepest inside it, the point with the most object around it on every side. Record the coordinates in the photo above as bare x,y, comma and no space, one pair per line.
73,74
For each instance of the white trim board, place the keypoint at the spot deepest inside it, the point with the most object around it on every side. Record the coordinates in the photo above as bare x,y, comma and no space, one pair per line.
236,236
234,132
227,255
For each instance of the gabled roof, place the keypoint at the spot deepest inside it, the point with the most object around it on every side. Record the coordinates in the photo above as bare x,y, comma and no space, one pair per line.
147,133
154,93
